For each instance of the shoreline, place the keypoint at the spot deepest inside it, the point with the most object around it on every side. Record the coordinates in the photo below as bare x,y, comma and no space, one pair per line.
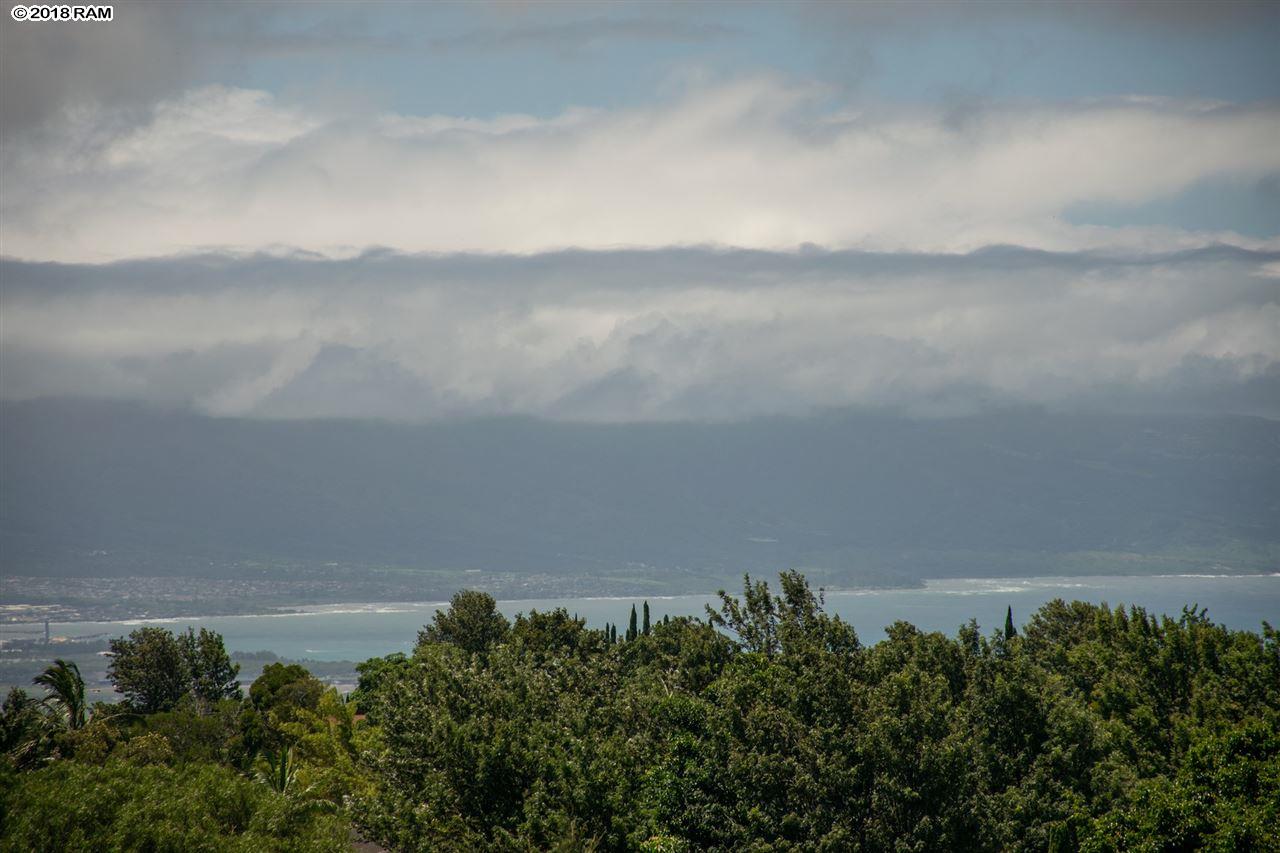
62,614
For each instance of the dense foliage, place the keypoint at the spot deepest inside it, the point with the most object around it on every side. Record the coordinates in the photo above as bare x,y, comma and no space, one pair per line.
154,668
766,726
120,806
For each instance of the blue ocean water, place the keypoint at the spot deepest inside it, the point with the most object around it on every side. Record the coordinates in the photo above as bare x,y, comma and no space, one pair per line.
359,631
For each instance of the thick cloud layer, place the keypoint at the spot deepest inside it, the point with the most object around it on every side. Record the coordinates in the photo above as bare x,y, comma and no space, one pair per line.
268,211
623,335
757,163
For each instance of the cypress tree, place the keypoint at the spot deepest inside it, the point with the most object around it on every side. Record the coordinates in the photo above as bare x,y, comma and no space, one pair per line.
631,628
1009,631
613,634
645,629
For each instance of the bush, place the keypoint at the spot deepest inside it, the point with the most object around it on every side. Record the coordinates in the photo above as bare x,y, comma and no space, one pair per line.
122,807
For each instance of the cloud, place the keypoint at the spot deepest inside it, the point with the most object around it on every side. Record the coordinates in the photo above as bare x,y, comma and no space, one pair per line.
125,65
1176,16
753,163
650,334
585,33
51,75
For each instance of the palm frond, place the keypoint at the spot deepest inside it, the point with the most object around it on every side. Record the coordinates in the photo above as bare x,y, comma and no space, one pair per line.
66,691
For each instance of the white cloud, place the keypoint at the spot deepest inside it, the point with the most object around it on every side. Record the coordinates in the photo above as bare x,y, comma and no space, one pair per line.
755,163
644,334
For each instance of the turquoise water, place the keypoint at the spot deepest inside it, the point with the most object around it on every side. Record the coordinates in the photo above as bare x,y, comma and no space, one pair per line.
359,631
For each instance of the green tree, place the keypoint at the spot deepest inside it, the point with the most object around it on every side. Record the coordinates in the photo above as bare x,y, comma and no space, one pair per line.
277,697
151,668
69,806
154,669
1009,631
376,676
791,622
1098,729
198,732
645,628
754,619
283,686
24,731
554,632
472,622
66,691
213,675
632,632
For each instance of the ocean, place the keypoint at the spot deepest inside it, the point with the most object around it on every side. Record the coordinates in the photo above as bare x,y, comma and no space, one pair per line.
356,632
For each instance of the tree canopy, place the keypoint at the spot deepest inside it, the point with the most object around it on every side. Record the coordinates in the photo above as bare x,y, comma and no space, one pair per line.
768,725
149,668
154,669
472,623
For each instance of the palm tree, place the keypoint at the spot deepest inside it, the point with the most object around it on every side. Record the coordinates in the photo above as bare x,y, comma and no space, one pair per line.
66,690
280,770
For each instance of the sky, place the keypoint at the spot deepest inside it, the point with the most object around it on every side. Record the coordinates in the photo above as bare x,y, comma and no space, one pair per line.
649,211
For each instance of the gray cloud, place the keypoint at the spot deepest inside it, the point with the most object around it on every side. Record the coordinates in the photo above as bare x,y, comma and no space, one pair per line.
645,335
1195,16
145,53
576,35
51,74
153,50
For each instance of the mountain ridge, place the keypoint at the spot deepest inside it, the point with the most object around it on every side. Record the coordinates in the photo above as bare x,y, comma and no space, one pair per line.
851,493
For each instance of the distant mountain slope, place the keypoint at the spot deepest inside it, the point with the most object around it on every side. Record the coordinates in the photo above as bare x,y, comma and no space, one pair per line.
856,494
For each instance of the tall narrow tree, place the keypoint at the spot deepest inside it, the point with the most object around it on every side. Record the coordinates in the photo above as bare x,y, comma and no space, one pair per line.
631,627
645,629
1009,631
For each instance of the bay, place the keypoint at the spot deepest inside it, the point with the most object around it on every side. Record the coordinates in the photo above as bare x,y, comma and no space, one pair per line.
356,632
